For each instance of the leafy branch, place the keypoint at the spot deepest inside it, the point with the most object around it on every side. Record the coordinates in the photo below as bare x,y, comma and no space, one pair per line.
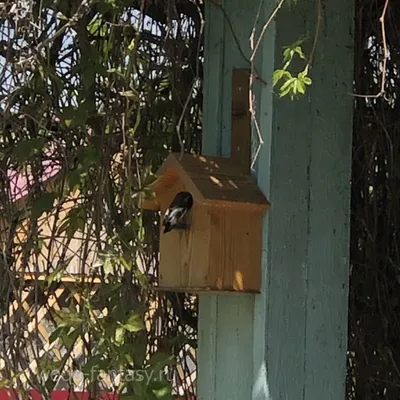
292,85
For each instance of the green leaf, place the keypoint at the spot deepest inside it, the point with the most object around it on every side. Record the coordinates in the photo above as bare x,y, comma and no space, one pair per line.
141,277
301,86
294,86
116,71
55,275
70,338
5,384
127,264
299,51
57,333
93,367
284,92
43,204
27,148
88,155
108,264
130,94
287,84
46,363
140,346
161,358
162,390
134,324
69,318
75,220
94,26
120,335
287,54
303,74
277,76
62,17
131,45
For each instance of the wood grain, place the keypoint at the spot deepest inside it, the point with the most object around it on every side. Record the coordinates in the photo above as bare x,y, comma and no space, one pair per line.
288,342
241,119
220,251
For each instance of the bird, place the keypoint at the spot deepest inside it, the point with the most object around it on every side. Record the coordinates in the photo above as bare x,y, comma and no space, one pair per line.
176,211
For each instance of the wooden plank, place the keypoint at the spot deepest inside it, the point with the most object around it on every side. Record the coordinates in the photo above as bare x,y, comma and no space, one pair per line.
70,278
303,315
238,266
241,119
265,60
203,291
234,343
282,163
212,138
329,174
225,360
298,336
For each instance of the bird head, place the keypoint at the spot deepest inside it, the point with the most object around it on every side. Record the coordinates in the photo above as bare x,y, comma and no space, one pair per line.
186,198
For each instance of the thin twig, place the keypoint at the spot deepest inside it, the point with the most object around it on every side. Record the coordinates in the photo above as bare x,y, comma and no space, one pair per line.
264,29
385,57
254,48
236,40
252,106
71,22
319,17
229,22
178,126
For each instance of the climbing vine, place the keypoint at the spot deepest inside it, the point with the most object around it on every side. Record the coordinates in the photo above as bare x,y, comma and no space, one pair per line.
91,96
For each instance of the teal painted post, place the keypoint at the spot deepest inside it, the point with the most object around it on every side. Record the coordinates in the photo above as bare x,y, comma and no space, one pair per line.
225,322
289,342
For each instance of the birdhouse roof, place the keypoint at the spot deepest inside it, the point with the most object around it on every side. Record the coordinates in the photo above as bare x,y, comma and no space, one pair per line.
210,180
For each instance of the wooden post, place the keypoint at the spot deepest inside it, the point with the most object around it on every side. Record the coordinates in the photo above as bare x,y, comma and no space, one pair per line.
289,342
241,119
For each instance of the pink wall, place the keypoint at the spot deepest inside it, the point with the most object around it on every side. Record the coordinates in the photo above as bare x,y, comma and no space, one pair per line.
19,181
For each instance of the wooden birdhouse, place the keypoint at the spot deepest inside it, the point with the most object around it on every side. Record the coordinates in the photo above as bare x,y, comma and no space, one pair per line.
221,248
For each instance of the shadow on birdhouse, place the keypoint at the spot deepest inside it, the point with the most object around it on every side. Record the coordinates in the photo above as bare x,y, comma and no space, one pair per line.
220,250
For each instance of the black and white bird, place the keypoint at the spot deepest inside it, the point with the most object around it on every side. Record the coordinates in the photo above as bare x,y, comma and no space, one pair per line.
177,210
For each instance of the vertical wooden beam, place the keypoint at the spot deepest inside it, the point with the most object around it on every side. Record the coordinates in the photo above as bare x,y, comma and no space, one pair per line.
297,326
304,165
329,174
241,119
225,362
212,145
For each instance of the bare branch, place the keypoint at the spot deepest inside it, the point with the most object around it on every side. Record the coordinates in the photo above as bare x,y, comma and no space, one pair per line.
385,57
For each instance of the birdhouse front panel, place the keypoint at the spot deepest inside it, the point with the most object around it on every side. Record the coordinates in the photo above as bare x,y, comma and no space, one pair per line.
184,253
219,252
